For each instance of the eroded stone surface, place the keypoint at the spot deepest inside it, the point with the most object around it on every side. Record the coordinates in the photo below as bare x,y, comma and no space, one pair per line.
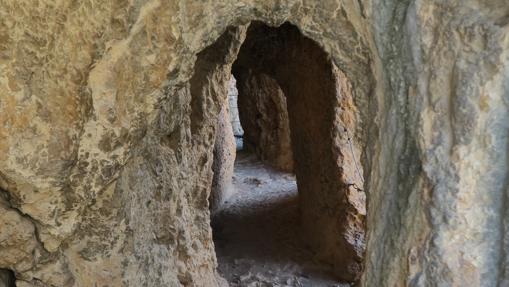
224,159
233,95
264,117
17,239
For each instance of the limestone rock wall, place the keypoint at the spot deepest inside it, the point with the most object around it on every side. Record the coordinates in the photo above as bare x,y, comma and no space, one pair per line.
441,172
224,159
106,144
233,95
264,117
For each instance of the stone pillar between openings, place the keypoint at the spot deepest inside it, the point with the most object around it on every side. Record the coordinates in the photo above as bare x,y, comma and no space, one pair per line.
264,117
224,158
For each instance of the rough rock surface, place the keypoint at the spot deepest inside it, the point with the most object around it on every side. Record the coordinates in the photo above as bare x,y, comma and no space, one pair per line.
224,159
107,123
233,96
264,117
6,278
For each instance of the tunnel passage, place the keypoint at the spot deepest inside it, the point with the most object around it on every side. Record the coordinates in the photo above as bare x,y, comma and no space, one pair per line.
321,111
274,62
263,113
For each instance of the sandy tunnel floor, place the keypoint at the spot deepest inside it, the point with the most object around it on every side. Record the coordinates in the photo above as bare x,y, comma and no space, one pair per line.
256,233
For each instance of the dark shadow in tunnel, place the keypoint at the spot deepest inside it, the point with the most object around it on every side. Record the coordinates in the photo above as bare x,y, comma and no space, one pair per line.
7,278
319,230
261,232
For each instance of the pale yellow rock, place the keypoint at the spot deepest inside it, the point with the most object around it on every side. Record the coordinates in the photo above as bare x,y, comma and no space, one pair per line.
17,239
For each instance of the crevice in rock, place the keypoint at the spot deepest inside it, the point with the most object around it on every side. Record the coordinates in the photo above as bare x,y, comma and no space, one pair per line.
7,278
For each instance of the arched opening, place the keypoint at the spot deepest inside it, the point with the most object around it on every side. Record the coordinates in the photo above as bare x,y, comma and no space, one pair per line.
256,225
319,146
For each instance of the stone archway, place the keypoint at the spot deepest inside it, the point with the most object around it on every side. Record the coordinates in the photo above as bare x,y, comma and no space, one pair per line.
264,114
323,121
321,111
335,198
129,195
136,201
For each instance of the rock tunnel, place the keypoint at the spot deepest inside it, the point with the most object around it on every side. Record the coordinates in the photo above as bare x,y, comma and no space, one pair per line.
281,62
398,120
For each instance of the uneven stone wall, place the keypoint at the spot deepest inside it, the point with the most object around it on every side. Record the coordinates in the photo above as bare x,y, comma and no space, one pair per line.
134,206
437,189
233,95
264,117
106,145
224,159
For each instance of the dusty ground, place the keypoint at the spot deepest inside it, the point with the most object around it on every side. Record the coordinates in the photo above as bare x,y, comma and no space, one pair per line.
257,232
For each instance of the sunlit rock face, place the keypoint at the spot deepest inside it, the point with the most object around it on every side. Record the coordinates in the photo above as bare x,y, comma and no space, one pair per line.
108,115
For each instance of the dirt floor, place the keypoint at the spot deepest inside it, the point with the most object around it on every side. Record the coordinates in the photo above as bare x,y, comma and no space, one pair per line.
256,233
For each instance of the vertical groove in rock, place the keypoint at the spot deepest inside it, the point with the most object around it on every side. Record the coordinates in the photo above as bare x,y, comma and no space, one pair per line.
7,278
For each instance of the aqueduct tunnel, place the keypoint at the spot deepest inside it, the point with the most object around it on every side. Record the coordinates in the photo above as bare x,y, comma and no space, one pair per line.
398,133
281,62
332,209
263,113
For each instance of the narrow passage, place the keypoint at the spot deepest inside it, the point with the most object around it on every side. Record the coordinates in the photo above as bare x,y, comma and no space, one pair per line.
256,232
